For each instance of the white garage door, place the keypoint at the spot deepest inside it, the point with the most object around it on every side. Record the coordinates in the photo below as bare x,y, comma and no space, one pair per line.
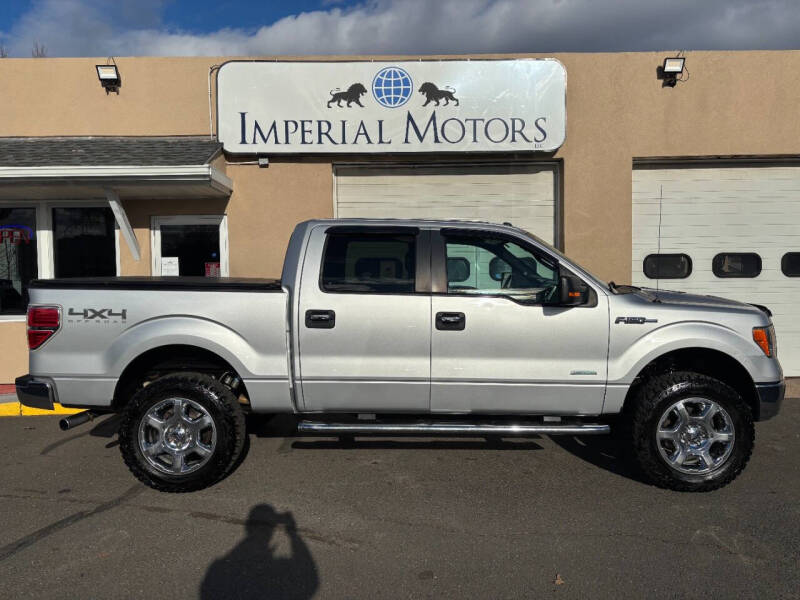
707,211
521,194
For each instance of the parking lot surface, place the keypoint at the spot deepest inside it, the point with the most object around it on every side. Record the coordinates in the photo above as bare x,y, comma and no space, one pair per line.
421,518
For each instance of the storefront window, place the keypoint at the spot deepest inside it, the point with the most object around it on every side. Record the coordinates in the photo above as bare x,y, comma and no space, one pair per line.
18,260
84,243
191,250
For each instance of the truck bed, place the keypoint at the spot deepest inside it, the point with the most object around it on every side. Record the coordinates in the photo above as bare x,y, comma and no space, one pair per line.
107,322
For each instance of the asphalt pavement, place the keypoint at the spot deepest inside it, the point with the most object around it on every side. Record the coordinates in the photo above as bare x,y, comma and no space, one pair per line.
448,518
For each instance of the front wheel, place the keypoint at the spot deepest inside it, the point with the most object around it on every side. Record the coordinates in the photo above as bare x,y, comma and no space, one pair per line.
691,432
183,432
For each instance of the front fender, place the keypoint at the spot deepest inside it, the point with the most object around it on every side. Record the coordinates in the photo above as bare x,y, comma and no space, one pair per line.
626,361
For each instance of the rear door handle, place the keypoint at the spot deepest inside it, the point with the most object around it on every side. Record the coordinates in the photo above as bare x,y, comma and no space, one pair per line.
320,319
450,321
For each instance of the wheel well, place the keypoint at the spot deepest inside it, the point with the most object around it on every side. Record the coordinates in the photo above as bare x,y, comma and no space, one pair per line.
700,360
170,359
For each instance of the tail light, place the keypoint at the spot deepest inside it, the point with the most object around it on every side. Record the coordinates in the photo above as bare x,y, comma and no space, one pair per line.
43,322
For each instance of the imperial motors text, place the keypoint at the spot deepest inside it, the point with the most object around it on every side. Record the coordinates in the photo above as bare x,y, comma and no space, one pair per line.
451,130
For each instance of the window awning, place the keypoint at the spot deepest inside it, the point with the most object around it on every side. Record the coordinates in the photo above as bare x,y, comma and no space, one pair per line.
114,169
72,168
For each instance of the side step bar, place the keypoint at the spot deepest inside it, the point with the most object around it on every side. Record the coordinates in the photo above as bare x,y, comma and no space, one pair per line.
438,428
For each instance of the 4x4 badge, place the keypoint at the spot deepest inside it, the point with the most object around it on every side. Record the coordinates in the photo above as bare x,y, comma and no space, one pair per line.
97,313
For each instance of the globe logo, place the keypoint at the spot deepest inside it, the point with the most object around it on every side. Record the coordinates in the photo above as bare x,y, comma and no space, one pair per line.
392,87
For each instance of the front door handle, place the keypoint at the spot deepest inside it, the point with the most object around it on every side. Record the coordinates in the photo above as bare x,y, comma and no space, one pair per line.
320,319
450,321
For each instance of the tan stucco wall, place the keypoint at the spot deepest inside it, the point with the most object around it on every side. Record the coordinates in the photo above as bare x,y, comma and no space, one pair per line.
62,96
266,205
734,104
13,351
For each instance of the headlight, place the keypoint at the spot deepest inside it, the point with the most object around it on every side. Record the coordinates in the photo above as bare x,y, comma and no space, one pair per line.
764,337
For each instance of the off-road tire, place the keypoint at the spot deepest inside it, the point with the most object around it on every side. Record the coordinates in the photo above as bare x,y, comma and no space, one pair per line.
655,396
220,403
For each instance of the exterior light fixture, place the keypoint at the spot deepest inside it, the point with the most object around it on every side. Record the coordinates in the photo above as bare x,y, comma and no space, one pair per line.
671,69
109,77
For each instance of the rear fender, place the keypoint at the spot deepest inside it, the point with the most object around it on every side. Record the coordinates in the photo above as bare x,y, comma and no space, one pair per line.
186,331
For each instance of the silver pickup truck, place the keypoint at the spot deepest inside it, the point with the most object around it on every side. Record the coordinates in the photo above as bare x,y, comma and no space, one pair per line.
382,327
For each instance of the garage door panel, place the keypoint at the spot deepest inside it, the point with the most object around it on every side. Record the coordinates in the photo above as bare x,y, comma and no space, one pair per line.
705,211
519,193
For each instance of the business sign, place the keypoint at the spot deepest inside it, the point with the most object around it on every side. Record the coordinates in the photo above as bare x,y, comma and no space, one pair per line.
405,106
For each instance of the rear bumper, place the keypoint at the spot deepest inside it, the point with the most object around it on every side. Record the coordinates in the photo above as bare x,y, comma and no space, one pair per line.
770,397
35,393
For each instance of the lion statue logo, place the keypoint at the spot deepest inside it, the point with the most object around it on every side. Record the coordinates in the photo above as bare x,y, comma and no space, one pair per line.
352,94
434,94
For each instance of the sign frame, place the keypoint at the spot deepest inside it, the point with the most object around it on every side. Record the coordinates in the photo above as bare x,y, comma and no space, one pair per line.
393,151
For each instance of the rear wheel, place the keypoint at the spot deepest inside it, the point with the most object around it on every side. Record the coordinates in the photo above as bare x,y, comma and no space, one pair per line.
183,432
691,432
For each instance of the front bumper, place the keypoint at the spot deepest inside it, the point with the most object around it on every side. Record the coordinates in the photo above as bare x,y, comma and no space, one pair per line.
770,397
35,393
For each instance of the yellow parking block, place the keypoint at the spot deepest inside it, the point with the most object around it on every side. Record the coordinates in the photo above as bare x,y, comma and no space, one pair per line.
15,409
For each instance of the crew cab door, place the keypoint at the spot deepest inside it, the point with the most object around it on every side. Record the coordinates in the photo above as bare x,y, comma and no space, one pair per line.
499,345
364,322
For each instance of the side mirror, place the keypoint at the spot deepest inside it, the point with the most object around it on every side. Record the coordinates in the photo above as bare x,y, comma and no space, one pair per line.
572,291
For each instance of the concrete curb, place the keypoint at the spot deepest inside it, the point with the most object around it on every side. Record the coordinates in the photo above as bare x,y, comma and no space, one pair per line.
15,409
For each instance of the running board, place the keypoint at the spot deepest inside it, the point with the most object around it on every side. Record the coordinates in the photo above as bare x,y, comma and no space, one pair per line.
434,428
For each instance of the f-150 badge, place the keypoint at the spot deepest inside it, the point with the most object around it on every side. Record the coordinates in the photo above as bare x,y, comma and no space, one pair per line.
634,320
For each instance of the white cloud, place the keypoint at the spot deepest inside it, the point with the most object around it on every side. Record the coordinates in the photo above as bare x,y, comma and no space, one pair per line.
134,27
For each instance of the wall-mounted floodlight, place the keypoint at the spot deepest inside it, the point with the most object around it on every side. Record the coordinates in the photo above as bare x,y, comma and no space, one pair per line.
671,69
109,77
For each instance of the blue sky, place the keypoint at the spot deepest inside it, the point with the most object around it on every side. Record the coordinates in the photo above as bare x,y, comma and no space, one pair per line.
208,15
266,28
202,16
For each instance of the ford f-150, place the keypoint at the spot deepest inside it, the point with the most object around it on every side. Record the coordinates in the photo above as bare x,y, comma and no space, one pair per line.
406,327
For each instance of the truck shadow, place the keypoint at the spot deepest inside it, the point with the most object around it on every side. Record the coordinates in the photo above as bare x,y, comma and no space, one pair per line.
607,452
604,451
252,569
105,426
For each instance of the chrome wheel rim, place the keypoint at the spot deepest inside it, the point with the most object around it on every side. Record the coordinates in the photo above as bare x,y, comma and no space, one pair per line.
177,436
695,436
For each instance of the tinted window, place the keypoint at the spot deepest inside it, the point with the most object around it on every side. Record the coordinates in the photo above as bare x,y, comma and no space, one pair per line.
737,264
84,243
17,258
790,264
379,263
667,266
500,267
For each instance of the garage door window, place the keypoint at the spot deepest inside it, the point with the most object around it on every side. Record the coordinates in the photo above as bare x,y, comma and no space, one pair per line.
790,264
667,266
737,264
369,264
